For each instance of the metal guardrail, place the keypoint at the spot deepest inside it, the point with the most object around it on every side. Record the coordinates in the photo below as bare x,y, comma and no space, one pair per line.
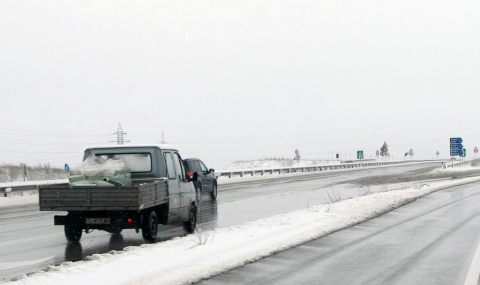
294,169
26,186
34,185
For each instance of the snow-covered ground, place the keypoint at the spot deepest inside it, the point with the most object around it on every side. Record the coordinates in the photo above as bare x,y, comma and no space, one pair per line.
188,259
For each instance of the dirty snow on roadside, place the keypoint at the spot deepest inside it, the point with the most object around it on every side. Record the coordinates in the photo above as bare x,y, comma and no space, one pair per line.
198,256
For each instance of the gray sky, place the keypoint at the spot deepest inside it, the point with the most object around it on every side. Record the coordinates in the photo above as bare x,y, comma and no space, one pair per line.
234,80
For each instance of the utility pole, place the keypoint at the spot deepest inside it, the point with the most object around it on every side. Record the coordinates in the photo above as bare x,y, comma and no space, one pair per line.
120,133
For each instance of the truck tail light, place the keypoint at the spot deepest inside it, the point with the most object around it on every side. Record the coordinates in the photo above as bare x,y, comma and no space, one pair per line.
190,174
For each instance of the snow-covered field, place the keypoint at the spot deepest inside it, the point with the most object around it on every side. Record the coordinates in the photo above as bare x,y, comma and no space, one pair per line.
188,259
274,163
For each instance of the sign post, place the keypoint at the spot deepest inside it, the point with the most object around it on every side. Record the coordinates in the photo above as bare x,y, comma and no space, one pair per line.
456,148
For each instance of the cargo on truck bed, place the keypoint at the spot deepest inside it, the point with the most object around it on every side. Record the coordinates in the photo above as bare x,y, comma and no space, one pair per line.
160,192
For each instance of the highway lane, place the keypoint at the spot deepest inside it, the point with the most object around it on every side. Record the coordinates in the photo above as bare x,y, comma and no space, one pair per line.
29,241
430,241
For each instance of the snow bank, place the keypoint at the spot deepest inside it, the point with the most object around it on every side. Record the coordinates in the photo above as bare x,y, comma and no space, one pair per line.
189,259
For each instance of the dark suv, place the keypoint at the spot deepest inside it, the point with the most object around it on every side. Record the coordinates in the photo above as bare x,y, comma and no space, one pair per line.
206,181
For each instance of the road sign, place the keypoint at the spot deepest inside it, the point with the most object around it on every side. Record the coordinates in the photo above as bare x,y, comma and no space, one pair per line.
406,153
67,168
456,146
359,154
456,140
464,152
456,152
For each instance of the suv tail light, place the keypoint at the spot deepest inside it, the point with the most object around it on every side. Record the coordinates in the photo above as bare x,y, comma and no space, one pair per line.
190,174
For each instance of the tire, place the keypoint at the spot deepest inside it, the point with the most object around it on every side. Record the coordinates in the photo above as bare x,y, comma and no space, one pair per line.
150,227
214,192
198,192
191,224
73,233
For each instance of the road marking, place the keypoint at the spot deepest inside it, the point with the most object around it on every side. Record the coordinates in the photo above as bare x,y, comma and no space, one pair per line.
474,270
7,265
28,239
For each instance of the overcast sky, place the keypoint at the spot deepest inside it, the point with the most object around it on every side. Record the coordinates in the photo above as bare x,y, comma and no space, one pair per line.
237,80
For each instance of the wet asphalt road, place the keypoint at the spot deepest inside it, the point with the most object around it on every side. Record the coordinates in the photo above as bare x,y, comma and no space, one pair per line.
29,241
430,241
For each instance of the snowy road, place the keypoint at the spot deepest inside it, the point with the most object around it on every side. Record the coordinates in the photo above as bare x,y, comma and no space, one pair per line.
430,241
29,241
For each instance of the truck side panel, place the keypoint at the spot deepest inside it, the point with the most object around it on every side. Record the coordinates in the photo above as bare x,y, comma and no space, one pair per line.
97,198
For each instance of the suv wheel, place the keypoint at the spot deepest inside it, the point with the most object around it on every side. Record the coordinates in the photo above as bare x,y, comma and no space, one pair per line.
199,194
214,192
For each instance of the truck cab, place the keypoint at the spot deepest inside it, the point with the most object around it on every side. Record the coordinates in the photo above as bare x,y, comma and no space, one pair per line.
148,163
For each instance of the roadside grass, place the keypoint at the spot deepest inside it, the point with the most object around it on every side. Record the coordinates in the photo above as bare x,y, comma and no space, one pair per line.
366,190
200,237
333,197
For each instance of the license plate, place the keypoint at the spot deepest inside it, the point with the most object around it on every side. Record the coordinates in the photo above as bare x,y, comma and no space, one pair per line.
98,221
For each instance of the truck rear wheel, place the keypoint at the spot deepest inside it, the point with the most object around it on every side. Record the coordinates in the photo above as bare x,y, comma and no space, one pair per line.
190,225
73,233
150,227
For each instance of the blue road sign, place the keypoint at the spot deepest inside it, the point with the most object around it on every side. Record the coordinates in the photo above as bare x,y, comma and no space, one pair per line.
456,146
456,152
67,168
456,140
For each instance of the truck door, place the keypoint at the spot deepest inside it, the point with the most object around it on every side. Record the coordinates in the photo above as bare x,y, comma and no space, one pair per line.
187,192
173,188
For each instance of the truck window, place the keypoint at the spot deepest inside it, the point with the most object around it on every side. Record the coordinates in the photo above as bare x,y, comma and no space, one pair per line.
136,162
180,165
170,165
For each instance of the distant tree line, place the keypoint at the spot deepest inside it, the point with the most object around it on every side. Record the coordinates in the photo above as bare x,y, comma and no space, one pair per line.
42,171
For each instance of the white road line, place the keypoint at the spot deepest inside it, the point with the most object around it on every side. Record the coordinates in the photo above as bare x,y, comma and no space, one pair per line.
29,239
474,270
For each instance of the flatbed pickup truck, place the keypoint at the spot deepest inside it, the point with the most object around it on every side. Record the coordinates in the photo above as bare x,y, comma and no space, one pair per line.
161,192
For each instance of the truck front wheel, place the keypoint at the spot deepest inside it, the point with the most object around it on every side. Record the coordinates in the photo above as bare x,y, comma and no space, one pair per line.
150,227
190,225
73,233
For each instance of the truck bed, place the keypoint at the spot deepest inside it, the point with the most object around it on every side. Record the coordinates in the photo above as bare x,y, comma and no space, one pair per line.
103,198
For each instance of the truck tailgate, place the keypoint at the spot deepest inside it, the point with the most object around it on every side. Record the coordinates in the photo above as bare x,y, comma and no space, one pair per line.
102,198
